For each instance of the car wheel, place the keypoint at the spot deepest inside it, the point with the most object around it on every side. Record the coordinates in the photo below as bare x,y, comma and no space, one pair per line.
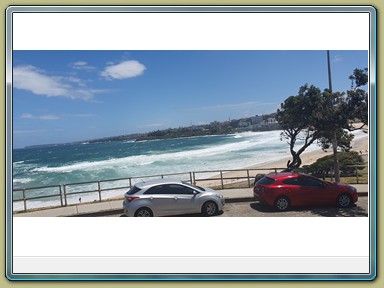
344,200
144,212
282,203
209,208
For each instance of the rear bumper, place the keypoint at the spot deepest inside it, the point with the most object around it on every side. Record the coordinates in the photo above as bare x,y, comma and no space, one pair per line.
263,199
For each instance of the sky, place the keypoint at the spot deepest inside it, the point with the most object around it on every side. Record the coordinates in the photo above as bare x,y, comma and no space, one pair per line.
64,96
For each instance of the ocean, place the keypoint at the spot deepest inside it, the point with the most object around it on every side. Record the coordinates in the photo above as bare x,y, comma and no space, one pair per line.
84,162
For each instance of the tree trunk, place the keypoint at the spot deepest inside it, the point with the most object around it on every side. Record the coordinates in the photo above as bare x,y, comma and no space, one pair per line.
335,158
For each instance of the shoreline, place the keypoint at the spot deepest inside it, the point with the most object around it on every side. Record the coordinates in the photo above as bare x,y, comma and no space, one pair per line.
359,145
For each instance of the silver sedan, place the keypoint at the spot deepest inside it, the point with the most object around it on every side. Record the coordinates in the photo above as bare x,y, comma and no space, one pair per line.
166,197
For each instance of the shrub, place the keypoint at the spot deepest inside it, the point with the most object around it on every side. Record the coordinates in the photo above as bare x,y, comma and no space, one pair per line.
324,166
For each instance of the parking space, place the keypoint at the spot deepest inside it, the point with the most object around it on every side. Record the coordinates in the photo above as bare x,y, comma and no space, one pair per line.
256,209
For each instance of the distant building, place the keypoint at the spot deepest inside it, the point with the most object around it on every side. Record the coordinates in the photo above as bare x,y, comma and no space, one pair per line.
243,123
269,121
256,120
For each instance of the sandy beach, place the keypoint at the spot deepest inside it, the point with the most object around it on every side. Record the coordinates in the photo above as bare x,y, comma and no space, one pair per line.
360,145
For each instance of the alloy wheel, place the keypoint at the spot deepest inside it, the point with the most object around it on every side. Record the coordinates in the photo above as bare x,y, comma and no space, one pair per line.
282,204
344,200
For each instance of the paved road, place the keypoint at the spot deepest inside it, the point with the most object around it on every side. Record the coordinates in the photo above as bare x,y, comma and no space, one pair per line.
256,209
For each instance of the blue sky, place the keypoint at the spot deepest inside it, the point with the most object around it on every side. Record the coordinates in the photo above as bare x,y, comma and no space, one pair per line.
65,96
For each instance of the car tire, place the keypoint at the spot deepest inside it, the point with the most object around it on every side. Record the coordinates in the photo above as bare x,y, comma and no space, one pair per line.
144,212
344,201
282,203
209,208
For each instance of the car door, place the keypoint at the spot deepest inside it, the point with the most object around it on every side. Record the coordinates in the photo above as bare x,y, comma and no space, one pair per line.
313,190
160,200
183,198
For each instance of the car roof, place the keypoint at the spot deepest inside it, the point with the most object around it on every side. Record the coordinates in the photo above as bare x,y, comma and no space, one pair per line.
282,175
155,182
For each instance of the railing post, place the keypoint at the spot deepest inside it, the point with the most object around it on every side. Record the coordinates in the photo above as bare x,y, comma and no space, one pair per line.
24,200
249,181
99,190
194,178
130,182
61,196
65,194
357,175
221,177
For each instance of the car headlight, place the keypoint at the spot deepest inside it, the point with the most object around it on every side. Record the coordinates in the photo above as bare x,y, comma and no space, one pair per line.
220,196
351,188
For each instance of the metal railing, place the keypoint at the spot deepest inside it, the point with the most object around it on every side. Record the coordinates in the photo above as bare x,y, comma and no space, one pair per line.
73,193
101,190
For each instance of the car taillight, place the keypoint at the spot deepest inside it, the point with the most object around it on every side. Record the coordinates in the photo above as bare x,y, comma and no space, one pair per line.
258,189
131,198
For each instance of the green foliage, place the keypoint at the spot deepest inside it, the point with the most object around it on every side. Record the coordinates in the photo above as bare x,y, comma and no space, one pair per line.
313,115
300,118
359,78
344,139
324,166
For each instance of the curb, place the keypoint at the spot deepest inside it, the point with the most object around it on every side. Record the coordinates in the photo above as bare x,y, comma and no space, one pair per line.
243,199
114,211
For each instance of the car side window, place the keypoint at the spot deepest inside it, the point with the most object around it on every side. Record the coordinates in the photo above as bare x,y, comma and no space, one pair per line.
179,189
306,181
292,181
156,190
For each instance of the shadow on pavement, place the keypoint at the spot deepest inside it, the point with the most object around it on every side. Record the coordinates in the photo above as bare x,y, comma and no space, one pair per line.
354,211
187,215
327,211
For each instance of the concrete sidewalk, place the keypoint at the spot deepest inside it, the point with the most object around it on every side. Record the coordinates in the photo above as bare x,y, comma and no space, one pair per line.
87,209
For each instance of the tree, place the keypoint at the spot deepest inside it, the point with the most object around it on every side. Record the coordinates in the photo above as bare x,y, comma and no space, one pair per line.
344,111
325,117
299,118
357,98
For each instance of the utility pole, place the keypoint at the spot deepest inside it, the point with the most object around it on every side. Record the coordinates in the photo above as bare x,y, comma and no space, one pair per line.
334,140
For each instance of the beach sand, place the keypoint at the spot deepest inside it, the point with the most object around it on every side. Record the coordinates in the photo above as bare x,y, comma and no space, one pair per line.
359,145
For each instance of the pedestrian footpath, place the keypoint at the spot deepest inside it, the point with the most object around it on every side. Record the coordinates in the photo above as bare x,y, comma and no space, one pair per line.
114,205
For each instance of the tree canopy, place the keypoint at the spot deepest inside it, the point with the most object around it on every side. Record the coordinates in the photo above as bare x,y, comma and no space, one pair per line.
324,117
299,117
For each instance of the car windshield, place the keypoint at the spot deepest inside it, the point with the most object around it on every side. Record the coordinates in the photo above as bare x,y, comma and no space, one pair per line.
265,181
133,190
193,186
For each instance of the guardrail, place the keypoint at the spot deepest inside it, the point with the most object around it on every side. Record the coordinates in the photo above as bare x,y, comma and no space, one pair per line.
26,199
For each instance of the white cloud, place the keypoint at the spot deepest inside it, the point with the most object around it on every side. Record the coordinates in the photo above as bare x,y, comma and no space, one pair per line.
41,117
28,131
36,81
54,117
27,116
244,105
32,79
126,69
337,58
82,65
152,125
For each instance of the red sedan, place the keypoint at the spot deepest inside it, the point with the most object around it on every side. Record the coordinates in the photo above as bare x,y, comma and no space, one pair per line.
284,190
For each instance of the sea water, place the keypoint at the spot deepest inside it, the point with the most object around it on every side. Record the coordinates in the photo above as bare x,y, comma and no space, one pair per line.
85,162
